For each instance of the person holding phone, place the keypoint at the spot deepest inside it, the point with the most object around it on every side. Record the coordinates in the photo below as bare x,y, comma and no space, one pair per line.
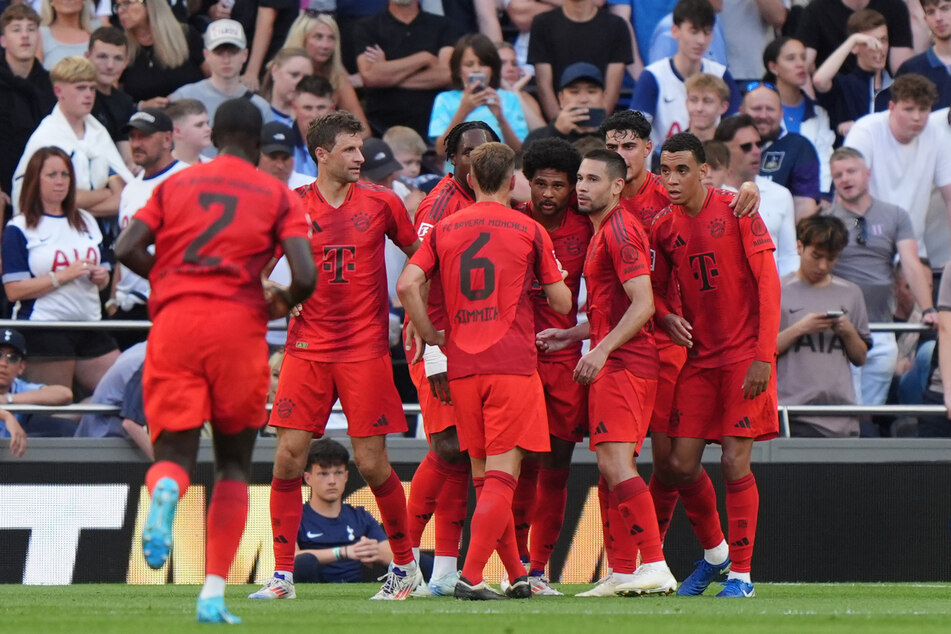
581,99
476,68
823,327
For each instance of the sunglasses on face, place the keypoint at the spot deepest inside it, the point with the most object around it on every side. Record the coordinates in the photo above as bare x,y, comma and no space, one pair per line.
753,85
11,357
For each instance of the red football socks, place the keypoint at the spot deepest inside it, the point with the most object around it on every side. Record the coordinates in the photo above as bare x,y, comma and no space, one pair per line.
636,508
523,506
742,506
489,522
392,504
227,515
423,493
549,516
452,507
286,511
665,501
700,503
604,503
167,469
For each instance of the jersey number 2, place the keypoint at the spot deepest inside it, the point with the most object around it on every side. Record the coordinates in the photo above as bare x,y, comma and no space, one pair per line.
207,199
470,267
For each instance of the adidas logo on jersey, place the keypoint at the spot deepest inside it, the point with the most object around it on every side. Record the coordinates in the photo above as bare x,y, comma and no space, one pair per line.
382,422
601,429
744,423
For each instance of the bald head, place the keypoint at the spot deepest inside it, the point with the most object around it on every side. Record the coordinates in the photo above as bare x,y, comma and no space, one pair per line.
764,106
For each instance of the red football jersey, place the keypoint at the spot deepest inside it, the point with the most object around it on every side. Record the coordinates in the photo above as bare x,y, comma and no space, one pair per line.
618,252
570,240
445,199
346,319
708,257
216,226
489,256
647,204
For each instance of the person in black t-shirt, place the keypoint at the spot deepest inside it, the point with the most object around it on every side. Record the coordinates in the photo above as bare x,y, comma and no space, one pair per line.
109,53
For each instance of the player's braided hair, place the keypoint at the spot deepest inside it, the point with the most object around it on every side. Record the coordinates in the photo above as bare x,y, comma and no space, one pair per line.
627,121
551,154
455,135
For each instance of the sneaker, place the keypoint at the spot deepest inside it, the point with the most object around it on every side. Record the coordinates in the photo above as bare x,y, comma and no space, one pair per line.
702,576
478,592
648,579
445,585
604,588
520,589
737,588
157,536
542,587
277,587
213,610
398,583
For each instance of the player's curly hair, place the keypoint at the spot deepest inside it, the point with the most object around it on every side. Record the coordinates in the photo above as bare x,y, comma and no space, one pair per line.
455,135
551,154
627,121
685,142
322,131
327,452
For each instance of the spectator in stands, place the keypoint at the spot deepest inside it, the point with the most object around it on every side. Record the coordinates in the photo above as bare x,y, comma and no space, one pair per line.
16,391
191,133
100,171
866,89
660,92
226,50
915,349
266,24
936,61
408,148
878,231
288,67
10,428
26,94
121,387
579,31
313,98
327,552
823,328
580,91
515,79
748,26
708,99
53,269
785,61
789,159
163,54
644,23
664,44
937,392
65,29
476,95
317,33
718,162
822,28
277,155
741,137
150,137
403,56
109,53
906,151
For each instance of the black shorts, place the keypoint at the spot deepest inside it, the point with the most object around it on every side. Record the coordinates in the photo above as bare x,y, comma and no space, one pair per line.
51,345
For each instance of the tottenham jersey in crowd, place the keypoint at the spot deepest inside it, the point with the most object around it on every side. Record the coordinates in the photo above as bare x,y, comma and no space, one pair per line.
50,246
318,532
132,289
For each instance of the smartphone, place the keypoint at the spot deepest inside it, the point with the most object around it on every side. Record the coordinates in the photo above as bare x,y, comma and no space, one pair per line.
834,314
479,80
595,118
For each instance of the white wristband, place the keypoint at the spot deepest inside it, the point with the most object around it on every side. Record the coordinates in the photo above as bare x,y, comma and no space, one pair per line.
434,361
56,283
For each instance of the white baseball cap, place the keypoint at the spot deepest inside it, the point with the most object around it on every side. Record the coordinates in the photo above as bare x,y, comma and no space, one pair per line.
225,32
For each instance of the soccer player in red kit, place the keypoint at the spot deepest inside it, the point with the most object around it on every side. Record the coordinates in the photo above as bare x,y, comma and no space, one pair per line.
551,167
440,485
215,227
729,322
489,257
621,367
337,346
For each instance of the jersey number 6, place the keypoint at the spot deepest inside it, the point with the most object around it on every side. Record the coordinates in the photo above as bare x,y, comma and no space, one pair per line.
470,267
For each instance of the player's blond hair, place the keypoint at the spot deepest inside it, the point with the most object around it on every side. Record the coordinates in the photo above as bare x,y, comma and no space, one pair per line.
492,166
72,70
705,82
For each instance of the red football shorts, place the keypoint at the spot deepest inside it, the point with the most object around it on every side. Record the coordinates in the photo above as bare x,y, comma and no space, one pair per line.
206,361
437,416
307,390
499,412
565,400
672,359
619,407
709,404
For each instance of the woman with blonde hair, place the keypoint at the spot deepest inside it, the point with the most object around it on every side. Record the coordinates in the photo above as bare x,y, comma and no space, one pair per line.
163,53
317,33
287,68
65,27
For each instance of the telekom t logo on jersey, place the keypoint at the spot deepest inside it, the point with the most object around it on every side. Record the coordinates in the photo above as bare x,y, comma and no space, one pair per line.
704,269
337,259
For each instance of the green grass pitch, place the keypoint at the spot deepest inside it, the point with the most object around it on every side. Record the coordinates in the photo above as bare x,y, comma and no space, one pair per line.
777,608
